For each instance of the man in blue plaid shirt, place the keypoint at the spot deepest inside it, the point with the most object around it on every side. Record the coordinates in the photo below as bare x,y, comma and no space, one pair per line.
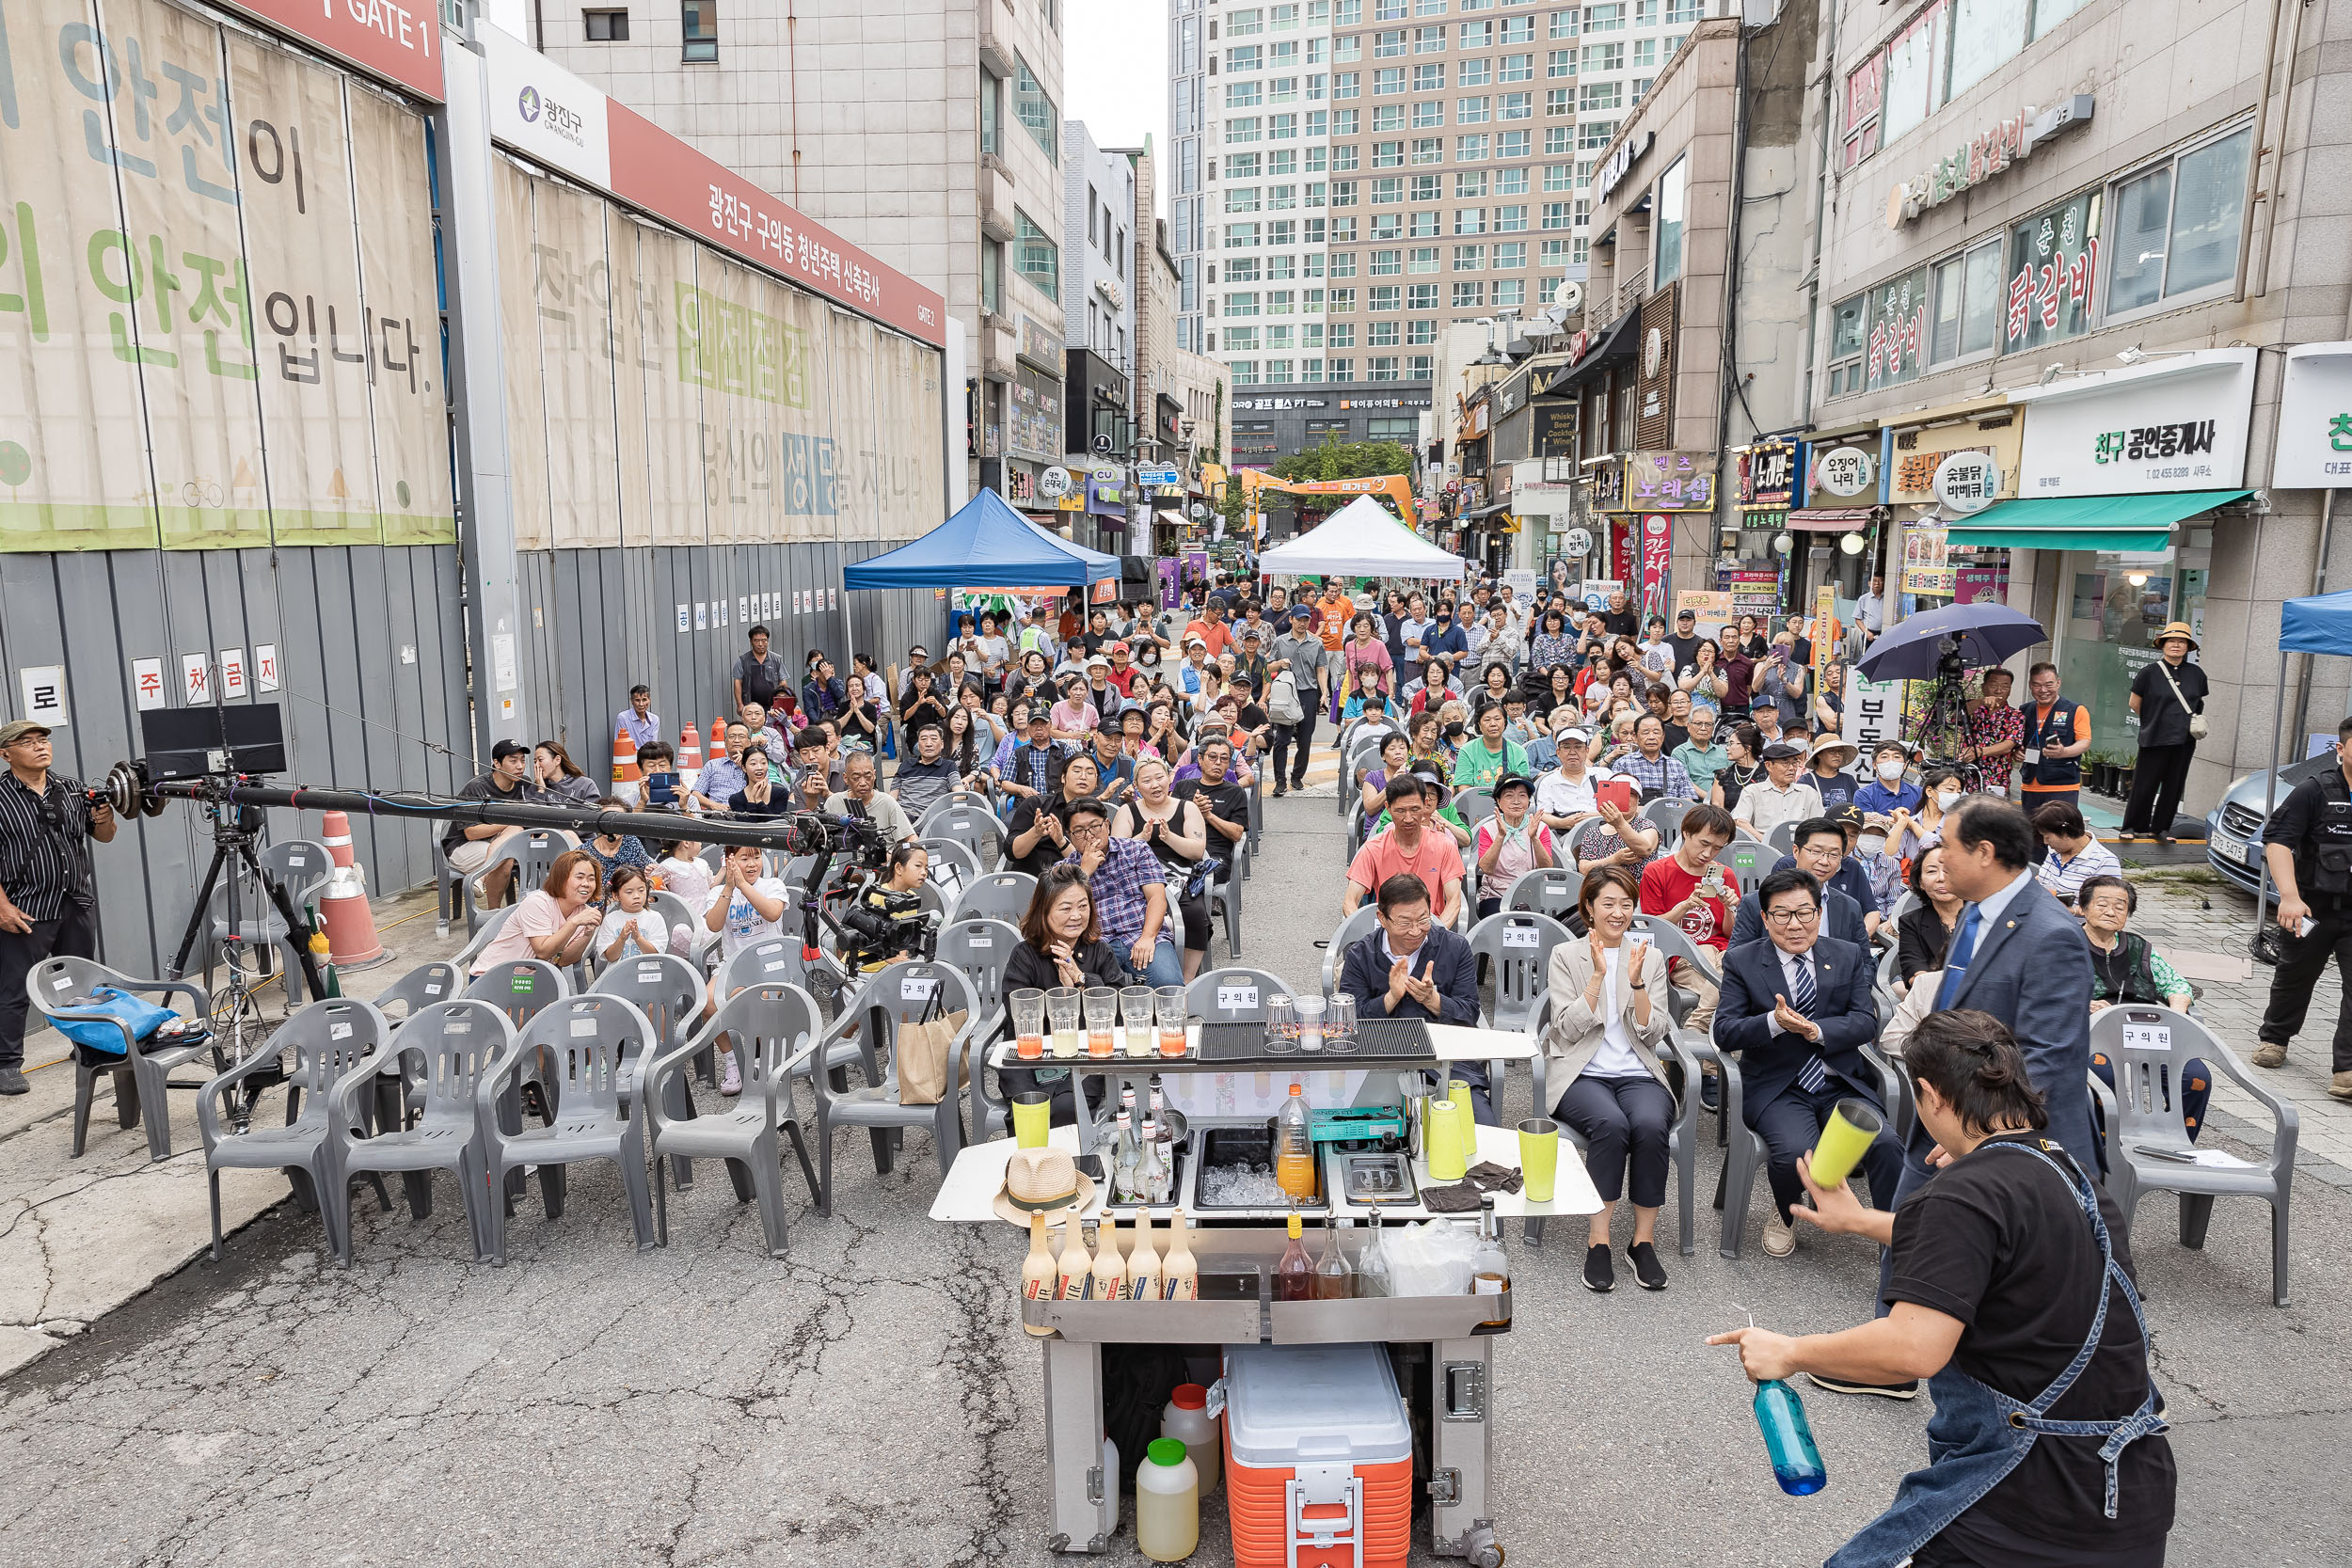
1130,895
1658,775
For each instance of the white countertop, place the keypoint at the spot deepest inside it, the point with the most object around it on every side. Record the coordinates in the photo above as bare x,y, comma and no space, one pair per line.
969,1194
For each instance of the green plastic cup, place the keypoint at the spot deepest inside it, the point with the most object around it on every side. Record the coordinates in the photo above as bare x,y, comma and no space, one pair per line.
1032,1118
1852,1126
1540,1157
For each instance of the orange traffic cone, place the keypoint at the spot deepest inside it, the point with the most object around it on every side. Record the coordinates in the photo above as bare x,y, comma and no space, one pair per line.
624,773
717,739
689,751
343,902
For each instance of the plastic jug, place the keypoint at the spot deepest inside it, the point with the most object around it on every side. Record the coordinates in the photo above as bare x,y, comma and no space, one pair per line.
1168,1502
1294,1148
1187,1418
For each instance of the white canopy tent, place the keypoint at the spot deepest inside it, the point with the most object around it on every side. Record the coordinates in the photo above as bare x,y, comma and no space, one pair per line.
1361,539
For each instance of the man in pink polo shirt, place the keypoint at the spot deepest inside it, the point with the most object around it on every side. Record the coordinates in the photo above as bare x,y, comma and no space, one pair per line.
1406,848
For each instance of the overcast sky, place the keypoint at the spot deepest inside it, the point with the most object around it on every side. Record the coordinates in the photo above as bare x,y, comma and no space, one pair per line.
1115,71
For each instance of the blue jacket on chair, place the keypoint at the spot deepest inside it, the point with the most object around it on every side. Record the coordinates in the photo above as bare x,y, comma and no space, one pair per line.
1770,1060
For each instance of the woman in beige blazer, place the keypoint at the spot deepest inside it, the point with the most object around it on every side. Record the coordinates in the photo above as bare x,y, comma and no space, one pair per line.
1608,1015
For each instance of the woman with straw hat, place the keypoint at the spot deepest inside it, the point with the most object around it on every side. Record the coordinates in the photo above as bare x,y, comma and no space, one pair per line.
2168,697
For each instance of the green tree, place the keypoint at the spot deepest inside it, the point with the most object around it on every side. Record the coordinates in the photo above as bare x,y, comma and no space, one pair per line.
1332,458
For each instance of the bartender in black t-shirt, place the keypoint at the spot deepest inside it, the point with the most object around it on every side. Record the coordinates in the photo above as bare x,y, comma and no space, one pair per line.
2005,1265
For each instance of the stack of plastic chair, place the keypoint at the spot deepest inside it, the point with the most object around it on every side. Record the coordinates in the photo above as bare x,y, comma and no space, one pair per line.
586,1040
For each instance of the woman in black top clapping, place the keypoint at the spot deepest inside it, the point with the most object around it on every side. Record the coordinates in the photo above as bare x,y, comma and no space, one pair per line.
921,703
1061,945
1923,934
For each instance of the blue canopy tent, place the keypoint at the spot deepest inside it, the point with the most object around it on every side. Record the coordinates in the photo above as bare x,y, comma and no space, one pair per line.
2319,625
985,545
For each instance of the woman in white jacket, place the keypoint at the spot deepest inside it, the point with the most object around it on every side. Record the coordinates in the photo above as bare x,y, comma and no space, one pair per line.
1608,1015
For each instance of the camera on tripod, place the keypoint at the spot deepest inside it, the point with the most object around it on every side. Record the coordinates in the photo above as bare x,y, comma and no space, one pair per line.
886,922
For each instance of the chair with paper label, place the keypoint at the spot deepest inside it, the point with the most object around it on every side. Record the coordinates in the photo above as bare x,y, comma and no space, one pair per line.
460,1041
890,1000
1360,923
1547,890
1515,947
1233,995
995,896
951,867
2149,1147
969,821
67,991
669,992
583,1041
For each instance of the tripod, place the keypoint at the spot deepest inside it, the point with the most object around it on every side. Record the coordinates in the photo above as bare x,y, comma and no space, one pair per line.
236,1020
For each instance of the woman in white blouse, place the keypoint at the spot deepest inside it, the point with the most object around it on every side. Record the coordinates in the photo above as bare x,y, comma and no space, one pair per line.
1609,1017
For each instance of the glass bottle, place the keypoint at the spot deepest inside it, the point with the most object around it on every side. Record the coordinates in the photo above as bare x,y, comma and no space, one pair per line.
1490,1272
1334,1279
1294,1148
1151,1174
1294,1275
1038,1277
1143,1264
1109,1279
1076,1262
1372,1278
1125,1157
1180,1269
1788,1439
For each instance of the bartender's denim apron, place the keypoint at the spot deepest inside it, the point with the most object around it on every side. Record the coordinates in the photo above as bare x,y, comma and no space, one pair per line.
1979,1434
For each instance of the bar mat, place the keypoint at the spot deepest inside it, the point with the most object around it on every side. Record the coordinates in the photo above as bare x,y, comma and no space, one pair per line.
1391,1039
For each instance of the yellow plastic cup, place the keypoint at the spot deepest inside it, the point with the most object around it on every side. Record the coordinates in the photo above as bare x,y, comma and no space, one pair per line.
1852,1126
1540,1157
1032,1118
1446,1161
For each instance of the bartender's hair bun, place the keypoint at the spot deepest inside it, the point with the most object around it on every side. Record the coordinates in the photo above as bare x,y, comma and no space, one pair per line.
1975,1068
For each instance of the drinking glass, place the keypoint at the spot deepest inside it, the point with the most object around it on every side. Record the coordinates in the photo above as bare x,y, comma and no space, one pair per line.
1339,1026
1170,1003
1028,1023
1032,1118
1101,1013
1281,1026
1309,1022
1134,1012
1061,1007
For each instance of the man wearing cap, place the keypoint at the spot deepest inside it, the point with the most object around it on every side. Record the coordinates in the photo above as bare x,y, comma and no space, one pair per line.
1685,641
1783,795
48,889
469,847
1250,659
1122,670
2167,696
1312,663
1031,768
1194,676
1117,767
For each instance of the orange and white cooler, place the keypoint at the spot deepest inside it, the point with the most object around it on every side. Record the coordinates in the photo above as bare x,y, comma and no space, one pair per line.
1318,1457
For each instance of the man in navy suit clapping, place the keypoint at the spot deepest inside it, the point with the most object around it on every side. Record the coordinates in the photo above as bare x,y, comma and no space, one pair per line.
1798,1010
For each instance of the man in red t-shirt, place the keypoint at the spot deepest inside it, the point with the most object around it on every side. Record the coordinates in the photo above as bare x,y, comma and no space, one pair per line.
1695,891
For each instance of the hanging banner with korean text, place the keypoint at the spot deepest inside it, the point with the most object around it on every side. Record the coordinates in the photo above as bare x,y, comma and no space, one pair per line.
1670,482
518,340
570,292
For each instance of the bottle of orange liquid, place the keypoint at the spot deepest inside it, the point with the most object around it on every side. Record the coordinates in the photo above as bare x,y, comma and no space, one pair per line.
1295,1149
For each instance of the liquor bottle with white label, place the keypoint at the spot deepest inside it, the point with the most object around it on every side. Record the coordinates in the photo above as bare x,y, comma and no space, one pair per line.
1039,1277
1143,1264
1076,1262
1109,1279
1180,1269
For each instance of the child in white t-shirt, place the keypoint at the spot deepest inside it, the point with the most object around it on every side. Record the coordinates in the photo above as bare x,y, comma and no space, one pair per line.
744,908
630,926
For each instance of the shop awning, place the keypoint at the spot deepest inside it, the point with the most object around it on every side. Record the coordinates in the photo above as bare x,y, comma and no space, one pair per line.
1171,518
1475,514
2135,524
1830,519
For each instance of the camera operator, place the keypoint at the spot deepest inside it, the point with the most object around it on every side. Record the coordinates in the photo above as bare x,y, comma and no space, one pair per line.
2307,848
48,895
889,919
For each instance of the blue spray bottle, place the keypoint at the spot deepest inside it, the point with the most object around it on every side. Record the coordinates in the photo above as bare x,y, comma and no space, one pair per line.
1787,1438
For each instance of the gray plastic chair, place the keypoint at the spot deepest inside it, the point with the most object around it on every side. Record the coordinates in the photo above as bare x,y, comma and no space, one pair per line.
1749,860
1517,945
1224,897
1743,1152
1666,816
1360,924
952,866
453,893
1235,994
329,1040
1783,838
1683,1136
982,948
301,866
995,896
775,1029
969,821
483,936
1673,942
1548,890
895,994
533,850
669,992
673,908
2146,1048
586,1040
459,1042
146,1074
519,988
1474,806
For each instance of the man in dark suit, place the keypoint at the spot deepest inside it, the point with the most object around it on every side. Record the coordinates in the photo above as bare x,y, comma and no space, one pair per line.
1797,1009
1413,967
1843,918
